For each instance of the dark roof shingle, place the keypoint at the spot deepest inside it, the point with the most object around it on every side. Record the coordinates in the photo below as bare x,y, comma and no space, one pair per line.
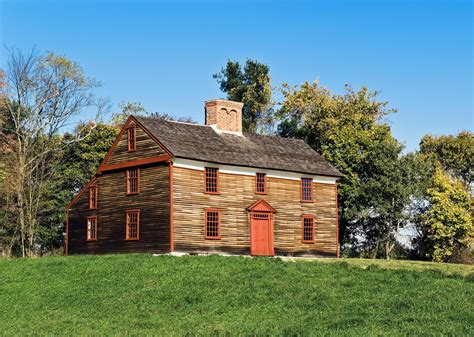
203,143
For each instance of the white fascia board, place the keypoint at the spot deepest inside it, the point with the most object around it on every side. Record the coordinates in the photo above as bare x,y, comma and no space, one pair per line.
250,171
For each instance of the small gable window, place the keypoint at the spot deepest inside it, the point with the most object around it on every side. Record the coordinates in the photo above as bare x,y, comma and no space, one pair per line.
307,189
93,197
261,183
92,228
212,218
133,181
132,138
308,228
133,224
211,180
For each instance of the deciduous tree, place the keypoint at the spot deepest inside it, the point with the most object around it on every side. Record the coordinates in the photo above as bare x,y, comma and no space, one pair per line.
348,131
43,92
447,222
127,109
252,87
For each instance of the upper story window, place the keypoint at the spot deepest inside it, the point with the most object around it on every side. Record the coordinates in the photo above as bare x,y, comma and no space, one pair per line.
93,197
132,224
308,228
212,218
132,138
261,183
211,180
307,189
133,181
91,228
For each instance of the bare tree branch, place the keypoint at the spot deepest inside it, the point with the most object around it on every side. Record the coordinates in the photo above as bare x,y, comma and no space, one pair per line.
41,96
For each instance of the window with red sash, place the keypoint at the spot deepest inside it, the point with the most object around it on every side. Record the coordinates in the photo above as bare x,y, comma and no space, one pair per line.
211,182
132,138
133,224
308,228
91,229
307,189
212,219
261,183
133,181
93,197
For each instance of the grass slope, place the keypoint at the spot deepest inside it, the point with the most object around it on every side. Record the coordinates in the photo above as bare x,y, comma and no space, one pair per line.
142,294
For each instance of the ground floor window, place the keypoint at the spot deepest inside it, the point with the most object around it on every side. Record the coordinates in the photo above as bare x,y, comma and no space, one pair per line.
92,228
308,228
212,219
133,224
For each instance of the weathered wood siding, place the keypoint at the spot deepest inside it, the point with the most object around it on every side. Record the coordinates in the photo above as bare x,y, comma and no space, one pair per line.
153,202
146,148
237,192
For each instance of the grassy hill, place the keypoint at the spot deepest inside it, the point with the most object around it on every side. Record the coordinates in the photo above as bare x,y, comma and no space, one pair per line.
143,294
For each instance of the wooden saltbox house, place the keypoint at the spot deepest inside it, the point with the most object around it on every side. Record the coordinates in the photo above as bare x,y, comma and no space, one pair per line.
177,187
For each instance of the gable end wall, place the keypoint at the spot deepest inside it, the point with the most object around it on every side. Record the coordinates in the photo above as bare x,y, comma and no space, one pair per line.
146,148
153,202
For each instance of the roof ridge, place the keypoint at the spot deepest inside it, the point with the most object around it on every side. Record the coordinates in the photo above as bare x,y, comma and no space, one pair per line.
276,136
210,127
169,121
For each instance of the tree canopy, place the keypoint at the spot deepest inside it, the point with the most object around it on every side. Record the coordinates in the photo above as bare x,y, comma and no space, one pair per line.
455,153
349,132
250,86
447,222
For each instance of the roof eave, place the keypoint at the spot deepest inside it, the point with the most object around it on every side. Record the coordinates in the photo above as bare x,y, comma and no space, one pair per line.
263,167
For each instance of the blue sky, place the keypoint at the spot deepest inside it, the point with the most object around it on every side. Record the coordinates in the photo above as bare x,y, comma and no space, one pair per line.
163,54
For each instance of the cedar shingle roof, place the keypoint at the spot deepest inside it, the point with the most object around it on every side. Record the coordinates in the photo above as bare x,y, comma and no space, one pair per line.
200,142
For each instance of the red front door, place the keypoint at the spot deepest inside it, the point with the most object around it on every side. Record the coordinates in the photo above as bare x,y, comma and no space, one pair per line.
261,234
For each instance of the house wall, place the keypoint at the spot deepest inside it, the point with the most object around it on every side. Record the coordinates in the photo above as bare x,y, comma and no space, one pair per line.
237,192
153,202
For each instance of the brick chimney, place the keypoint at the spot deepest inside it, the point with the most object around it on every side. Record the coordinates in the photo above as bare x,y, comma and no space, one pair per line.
224,116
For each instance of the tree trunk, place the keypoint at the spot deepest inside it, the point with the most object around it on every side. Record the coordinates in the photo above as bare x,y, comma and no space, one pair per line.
19,189
388,250
21,223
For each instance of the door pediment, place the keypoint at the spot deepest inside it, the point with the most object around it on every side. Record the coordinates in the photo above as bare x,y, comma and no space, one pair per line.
261,206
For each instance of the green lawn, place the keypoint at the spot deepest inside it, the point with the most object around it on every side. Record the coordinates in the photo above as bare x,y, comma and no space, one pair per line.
145,295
